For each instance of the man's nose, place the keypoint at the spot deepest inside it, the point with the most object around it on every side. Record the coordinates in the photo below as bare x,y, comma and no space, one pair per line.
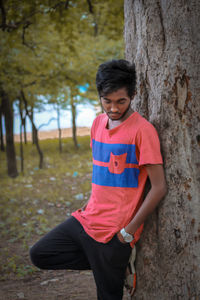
114,108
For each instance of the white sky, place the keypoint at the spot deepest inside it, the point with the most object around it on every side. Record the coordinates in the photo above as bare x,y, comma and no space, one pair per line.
85,117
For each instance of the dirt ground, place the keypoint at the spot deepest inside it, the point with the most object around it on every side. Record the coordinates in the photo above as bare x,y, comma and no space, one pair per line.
52,134
52,285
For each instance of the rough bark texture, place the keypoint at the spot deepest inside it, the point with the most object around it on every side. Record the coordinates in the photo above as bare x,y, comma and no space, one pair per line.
163,39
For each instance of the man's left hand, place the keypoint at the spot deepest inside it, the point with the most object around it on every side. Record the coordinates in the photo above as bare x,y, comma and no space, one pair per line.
120,237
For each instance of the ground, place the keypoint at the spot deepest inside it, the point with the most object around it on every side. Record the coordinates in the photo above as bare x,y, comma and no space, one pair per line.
32,204
52,285
52,134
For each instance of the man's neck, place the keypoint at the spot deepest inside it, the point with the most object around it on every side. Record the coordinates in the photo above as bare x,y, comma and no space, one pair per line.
114,123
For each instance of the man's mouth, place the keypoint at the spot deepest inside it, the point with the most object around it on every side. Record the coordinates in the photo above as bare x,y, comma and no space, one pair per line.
114,115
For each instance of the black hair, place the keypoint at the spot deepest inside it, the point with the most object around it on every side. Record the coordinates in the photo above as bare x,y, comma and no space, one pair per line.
114,75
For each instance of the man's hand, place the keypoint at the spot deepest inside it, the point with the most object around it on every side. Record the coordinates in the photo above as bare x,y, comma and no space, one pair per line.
120,237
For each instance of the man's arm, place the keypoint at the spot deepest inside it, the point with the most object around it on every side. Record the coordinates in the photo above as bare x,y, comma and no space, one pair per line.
156,193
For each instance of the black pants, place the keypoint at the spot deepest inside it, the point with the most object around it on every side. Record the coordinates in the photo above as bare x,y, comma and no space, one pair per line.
68,246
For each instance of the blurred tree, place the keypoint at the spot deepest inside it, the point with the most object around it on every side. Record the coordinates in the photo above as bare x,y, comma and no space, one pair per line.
49,45
1,130
21,133
7,110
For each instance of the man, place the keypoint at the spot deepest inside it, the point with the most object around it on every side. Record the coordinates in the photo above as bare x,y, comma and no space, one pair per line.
126,151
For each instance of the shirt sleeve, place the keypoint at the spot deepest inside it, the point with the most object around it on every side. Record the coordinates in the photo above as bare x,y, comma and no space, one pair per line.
148,145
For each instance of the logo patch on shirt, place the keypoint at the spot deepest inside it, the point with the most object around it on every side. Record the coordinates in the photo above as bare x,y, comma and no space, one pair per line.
117,163
114,165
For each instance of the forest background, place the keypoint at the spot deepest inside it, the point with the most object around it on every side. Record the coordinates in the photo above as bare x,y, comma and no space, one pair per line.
49,54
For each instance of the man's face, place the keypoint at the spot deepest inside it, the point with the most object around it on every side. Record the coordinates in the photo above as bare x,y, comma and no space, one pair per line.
116,104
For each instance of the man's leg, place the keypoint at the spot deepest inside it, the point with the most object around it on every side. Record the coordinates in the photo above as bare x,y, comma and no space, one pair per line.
108,263
61,248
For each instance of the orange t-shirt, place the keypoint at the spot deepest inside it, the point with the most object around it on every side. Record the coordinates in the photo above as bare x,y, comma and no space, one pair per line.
119,177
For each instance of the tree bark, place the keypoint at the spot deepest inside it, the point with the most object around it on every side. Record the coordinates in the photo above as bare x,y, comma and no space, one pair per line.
10,147
162,38
1,131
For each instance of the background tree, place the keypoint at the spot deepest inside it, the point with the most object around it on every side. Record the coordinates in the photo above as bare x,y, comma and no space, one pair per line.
162,38
10,149
46,45
1,131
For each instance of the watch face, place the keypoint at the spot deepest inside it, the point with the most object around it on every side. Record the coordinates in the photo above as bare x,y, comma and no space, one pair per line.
128,239
127,236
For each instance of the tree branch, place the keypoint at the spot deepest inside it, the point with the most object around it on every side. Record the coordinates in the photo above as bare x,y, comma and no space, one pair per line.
3,13
28,23
29,84
90,6
91,10
46,124
64,3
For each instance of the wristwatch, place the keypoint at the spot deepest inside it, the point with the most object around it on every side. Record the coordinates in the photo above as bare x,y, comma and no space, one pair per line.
126,236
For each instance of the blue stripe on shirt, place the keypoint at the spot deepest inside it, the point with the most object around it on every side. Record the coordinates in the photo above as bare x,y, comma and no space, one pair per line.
102,176
102,151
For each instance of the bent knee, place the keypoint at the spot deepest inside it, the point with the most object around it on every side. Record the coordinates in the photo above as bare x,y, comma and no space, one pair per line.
35,256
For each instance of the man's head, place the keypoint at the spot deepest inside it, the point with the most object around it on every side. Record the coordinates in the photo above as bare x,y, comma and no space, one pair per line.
116,81
114,75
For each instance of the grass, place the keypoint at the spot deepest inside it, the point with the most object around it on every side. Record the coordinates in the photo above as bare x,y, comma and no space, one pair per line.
39,199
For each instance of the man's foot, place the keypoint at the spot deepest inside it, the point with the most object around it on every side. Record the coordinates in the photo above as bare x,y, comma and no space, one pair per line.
130,280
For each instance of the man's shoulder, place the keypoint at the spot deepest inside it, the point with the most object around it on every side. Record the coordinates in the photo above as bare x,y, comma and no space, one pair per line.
99,118
141,121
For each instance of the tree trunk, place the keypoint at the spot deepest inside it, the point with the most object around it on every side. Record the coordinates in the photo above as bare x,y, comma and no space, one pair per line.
59,129
35,132
21,141
24,126
1,131
73,110
10,147
162,38
31,116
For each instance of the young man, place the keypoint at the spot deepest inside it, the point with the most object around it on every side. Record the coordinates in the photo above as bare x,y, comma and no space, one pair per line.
126,151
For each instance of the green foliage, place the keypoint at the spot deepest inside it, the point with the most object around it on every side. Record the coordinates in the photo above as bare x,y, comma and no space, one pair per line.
35,202
49,45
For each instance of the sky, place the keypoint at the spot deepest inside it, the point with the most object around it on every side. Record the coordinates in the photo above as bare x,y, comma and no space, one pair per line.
85,117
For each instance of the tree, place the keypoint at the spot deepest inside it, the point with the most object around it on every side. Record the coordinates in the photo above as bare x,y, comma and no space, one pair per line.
1,131
7,110
163,39
48,45
36,141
